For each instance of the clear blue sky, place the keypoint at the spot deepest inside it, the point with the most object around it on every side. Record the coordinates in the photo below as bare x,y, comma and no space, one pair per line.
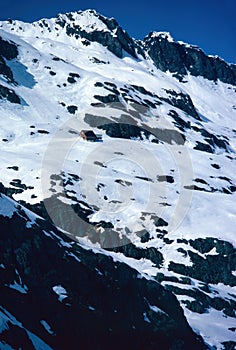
209,24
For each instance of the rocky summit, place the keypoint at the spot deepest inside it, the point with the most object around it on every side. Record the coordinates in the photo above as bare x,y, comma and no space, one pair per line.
117,189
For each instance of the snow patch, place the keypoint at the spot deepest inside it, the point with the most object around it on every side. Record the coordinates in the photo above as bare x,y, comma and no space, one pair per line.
60,291
7,206
47,327
18,287
164,35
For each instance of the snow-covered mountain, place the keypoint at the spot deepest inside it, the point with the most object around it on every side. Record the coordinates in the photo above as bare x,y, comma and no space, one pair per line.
143,221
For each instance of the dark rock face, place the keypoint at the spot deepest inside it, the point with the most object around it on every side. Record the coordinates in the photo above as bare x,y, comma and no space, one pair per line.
125,131
213,268
9,94
181,101
211,139
110,98
5,70
115,43
216,265
15,336
72,109
103,303
132,251
8,49
202,301
181,59
181,124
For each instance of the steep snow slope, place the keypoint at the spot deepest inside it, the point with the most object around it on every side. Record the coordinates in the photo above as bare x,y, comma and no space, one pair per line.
70,296
159,191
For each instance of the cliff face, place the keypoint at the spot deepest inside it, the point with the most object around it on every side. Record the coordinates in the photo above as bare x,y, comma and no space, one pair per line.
69,296
182,59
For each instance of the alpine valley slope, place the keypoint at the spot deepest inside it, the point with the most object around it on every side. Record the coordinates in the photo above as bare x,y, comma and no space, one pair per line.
150,209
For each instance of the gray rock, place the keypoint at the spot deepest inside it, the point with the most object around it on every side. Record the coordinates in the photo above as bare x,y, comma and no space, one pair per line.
181,59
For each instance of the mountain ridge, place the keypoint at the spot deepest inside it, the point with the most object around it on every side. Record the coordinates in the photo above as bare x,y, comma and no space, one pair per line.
183,58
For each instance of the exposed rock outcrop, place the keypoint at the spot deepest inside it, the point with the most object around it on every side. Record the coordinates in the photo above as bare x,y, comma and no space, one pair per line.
85,297
180,59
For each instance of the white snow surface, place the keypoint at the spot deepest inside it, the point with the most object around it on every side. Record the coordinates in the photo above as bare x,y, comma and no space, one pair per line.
210,327
60,291
46,326
7,207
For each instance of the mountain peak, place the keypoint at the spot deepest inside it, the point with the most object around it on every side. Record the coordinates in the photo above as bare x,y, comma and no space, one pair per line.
88,25
96,28
88,20
181,59
161,35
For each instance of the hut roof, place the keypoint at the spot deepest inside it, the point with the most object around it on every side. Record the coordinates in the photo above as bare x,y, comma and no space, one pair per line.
89,133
